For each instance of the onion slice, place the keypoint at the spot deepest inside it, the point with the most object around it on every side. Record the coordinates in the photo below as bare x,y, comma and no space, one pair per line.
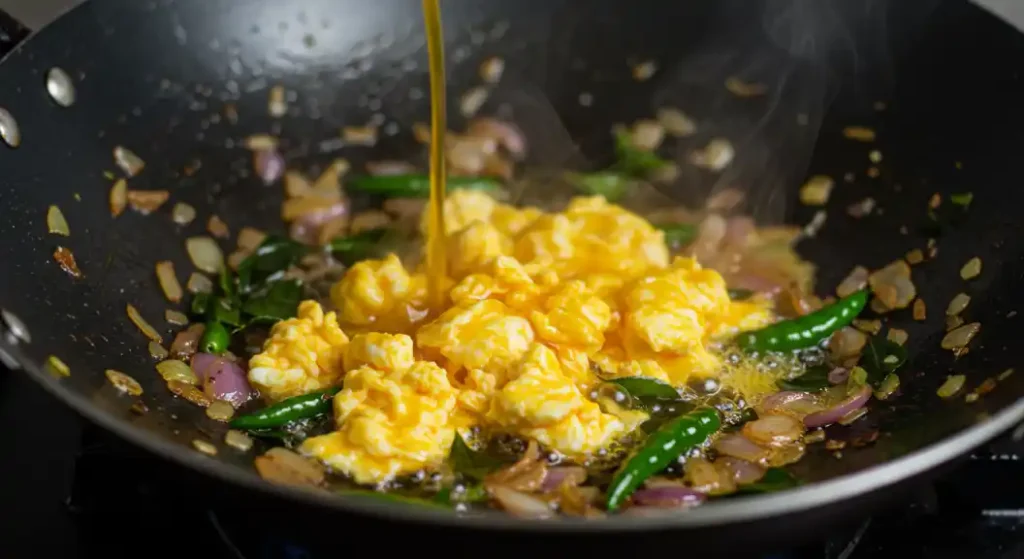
520,504
222,379
168,281
665,496
205,254
833,414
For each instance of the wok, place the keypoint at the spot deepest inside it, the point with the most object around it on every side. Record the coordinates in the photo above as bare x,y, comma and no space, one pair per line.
151,75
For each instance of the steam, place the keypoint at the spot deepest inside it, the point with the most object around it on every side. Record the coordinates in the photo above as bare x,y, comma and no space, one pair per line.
797,50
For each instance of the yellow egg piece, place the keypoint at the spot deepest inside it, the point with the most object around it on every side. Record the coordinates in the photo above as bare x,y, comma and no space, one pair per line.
302,354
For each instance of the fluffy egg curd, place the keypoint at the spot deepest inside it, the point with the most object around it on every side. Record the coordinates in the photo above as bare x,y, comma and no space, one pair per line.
542,307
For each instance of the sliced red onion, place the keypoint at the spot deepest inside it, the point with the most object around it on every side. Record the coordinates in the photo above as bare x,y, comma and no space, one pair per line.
306,228
774,430
790,403
831,415
739,231
838,375
742,471
678,496
390,168
520,504
269,165
555,477
754,282
222,379
506,134
738,446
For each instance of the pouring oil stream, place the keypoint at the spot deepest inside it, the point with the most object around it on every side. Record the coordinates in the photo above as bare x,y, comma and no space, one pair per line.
437,258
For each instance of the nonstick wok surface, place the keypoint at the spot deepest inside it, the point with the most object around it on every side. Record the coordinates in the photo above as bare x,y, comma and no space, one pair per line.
152,76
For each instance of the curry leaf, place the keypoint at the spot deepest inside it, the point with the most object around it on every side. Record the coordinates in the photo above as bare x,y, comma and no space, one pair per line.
738,294
775,479
275,255
276,301
471,463
679,234
224,310
633,160
814,380
359,246
201,304
611,185
880,357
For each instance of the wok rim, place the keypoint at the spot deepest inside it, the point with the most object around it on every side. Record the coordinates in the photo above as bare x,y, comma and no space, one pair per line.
714,513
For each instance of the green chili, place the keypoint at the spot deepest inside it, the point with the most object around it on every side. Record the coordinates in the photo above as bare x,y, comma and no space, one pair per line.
612,185
415,186
808,330
215,338
663,446
286,411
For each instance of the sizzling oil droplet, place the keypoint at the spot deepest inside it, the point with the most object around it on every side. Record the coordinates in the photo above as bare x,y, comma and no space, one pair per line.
437,259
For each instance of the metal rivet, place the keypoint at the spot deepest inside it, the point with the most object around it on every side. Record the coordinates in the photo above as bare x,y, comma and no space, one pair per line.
16,326
9,132
60,87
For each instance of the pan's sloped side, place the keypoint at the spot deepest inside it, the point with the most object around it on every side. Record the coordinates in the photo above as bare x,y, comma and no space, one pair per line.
159,78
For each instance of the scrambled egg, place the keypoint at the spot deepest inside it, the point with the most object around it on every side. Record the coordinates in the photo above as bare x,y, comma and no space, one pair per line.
303,354
538,303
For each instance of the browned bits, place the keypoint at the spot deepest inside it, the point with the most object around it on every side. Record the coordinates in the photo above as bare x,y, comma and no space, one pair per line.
492,69
220,410
644,70
146,201
897,336
835,444
56,223
958,338
277,106
168,281
920,311
127,161
740,88
892,285
118,197
142,325
123,382
915,256
157,351
182,213
859,133
971,269
139,408
175,318
238,440
869,326
856,280
986,386
57,367
957,304
935,201
66,260
205,447
280,465
189,392
249,239
217,227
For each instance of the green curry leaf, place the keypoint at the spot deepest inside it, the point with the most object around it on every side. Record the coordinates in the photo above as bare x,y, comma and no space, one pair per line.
775,479
880,357
813,380
642,388
633,160
471,463
679,234
613,186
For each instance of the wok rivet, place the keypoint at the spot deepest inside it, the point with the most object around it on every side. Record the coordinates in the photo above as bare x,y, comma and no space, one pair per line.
16,326
60,87
9,132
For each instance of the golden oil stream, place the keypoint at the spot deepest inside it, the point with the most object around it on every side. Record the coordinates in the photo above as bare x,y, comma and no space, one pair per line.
437,258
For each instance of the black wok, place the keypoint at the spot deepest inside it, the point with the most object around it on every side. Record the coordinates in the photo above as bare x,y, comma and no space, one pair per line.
150,76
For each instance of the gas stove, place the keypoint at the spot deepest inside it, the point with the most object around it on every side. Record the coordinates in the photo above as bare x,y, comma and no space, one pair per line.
83,493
